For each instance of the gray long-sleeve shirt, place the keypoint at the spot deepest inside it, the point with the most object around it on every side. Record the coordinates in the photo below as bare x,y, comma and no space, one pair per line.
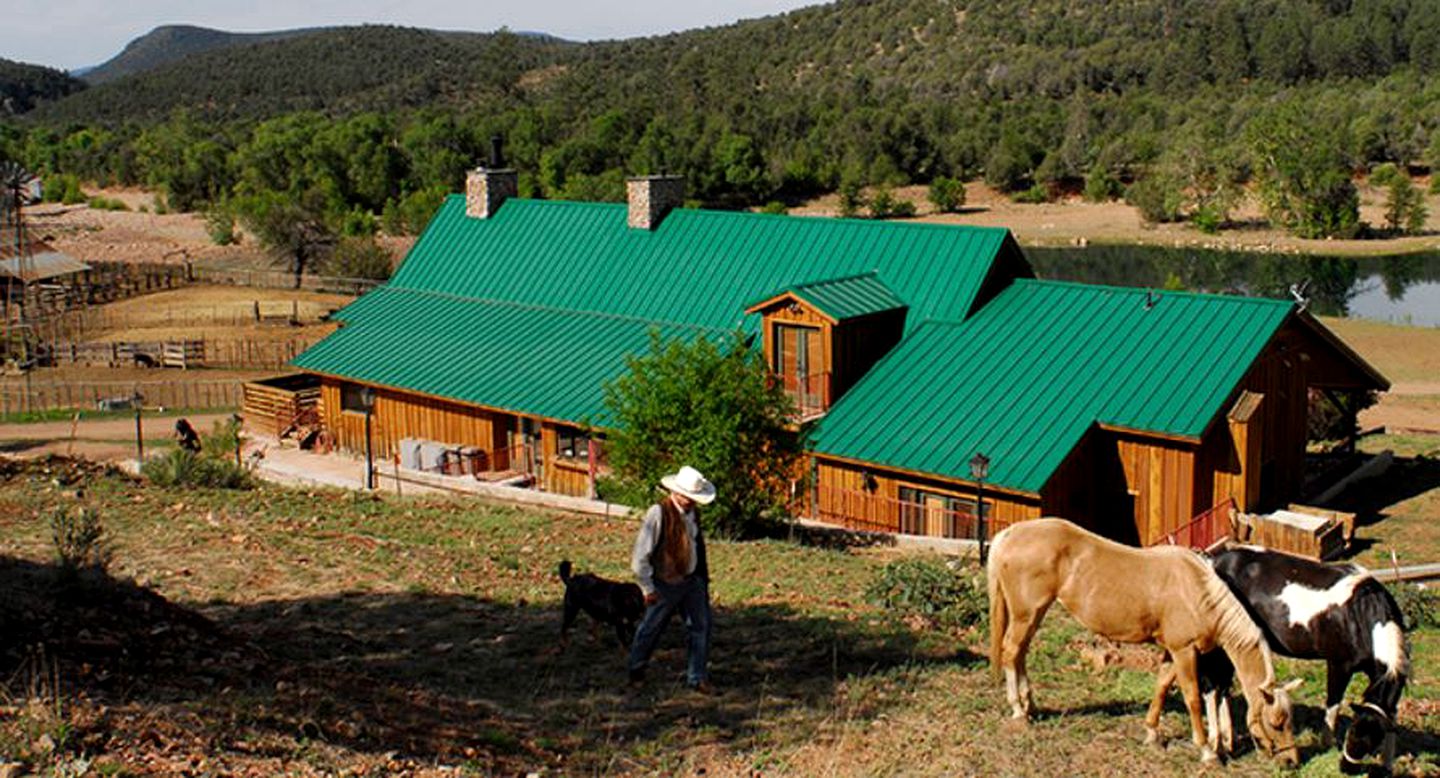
645,546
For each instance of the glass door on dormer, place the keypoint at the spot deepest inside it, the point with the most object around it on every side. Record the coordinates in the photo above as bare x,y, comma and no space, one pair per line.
798,360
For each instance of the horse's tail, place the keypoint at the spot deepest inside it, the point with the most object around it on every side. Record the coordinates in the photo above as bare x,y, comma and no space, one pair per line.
999,612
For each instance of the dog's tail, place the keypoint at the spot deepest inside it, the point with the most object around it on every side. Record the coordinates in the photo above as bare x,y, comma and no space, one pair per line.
565,571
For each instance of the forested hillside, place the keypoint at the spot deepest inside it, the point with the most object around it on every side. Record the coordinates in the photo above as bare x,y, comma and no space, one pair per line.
23,86
171,43
1174,104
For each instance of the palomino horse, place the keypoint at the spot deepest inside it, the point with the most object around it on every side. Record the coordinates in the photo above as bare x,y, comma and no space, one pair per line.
1334,612
1166,595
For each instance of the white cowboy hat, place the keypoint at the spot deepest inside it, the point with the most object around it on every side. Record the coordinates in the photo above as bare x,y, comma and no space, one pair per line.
690,483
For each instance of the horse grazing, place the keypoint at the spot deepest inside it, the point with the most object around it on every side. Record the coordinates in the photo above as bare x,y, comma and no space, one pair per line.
1338,613
1166,595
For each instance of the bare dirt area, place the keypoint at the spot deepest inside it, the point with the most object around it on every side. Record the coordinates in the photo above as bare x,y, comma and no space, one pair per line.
1073,221
136,235
216,312
1410,358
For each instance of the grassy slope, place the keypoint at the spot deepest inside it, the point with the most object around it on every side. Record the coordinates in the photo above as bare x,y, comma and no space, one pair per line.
426,628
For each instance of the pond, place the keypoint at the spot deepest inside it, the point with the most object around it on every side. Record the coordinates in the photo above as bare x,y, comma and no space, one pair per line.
1401,289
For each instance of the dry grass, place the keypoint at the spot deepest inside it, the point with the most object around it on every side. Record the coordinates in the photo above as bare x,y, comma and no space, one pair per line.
353,634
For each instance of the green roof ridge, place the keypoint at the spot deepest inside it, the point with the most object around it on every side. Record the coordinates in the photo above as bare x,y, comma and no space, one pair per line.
1257,299
552,309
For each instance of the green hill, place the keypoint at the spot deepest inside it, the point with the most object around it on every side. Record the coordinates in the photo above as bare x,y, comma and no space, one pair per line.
23,86
1041,97
171,43
339,70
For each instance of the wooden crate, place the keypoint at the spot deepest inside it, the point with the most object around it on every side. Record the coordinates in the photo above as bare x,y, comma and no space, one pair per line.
1304,534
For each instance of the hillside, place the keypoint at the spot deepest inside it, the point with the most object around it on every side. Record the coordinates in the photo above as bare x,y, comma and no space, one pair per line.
337,70
171,43
23,86
1044,100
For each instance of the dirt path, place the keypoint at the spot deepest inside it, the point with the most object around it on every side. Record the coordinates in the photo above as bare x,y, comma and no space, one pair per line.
105,440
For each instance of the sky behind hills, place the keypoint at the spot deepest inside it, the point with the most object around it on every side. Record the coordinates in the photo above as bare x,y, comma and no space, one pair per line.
70,34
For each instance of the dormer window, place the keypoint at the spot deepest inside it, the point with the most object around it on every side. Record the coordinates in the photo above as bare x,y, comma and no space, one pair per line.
820,337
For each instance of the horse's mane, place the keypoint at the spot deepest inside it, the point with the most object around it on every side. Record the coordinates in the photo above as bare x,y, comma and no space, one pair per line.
1235,630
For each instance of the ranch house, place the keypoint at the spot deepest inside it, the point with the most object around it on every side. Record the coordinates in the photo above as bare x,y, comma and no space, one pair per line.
911,348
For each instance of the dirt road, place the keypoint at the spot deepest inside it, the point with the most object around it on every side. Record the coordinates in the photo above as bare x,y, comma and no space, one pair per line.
108,439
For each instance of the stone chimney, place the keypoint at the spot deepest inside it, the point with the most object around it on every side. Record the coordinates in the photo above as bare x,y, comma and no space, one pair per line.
651,197
486,187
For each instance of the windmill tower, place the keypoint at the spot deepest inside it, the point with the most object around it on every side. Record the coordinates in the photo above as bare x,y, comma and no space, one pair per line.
18,187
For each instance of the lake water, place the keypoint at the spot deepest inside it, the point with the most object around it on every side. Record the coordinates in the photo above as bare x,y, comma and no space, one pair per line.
1402,289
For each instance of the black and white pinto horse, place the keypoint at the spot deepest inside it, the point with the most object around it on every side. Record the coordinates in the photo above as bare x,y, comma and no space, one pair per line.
1334,612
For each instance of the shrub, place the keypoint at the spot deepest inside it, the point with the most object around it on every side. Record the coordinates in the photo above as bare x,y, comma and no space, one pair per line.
357,258
775,207
223,440
107,204
1039,193
1158,198
1208,219
947,194
220,225
80,542
1419,605
884,205
928,589
179,467
851,198
1100,186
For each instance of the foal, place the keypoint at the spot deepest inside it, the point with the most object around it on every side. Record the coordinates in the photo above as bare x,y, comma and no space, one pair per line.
1165,595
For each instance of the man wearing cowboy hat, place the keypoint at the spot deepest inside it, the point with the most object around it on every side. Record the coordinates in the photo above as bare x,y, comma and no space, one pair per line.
669,564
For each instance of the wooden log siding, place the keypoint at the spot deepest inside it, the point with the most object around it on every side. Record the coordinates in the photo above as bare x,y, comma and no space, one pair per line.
1161,476
399,415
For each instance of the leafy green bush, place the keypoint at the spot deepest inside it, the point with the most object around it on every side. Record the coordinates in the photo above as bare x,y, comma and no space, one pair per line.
222,441
852,198
107,204
1100,186
926,588
179,467
220,225
357,258
947,194
80,542
1421,606
775,207
1158,198
1208,219
1039,193
884,205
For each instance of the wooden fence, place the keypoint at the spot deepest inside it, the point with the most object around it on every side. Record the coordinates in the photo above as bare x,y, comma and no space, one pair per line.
238,353
114,395
282,279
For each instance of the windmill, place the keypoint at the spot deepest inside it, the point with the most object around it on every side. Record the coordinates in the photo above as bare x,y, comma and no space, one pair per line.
18,188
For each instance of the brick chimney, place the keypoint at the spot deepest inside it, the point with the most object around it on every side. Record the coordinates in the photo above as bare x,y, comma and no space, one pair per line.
486,187
651,197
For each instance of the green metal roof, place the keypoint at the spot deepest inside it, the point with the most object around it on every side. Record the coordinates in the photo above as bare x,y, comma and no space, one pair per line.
845,298
519,358
697,267
1023,379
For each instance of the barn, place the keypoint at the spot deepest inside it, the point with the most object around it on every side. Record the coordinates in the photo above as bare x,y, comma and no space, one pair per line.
911,347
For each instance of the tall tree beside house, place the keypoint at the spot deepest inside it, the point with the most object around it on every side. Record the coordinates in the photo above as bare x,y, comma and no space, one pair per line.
715,407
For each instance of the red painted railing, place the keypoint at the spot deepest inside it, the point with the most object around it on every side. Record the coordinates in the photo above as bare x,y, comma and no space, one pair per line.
1207,529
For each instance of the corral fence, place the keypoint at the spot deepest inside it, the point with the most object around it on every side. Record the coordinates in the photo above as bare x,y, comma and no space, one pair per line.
118,395
238,353
281,279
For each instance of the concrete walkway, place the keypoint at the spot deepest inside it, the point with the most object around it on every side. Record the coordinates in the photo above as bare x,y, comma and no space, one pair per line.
295,467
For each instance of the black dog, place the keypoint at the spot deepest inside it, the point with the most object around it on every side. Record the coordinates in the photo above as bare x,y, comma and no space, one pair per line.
608,602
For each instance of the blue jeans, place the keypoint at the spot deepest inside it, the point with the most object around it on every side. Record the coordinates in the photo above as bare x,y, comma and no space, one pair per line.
692,598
